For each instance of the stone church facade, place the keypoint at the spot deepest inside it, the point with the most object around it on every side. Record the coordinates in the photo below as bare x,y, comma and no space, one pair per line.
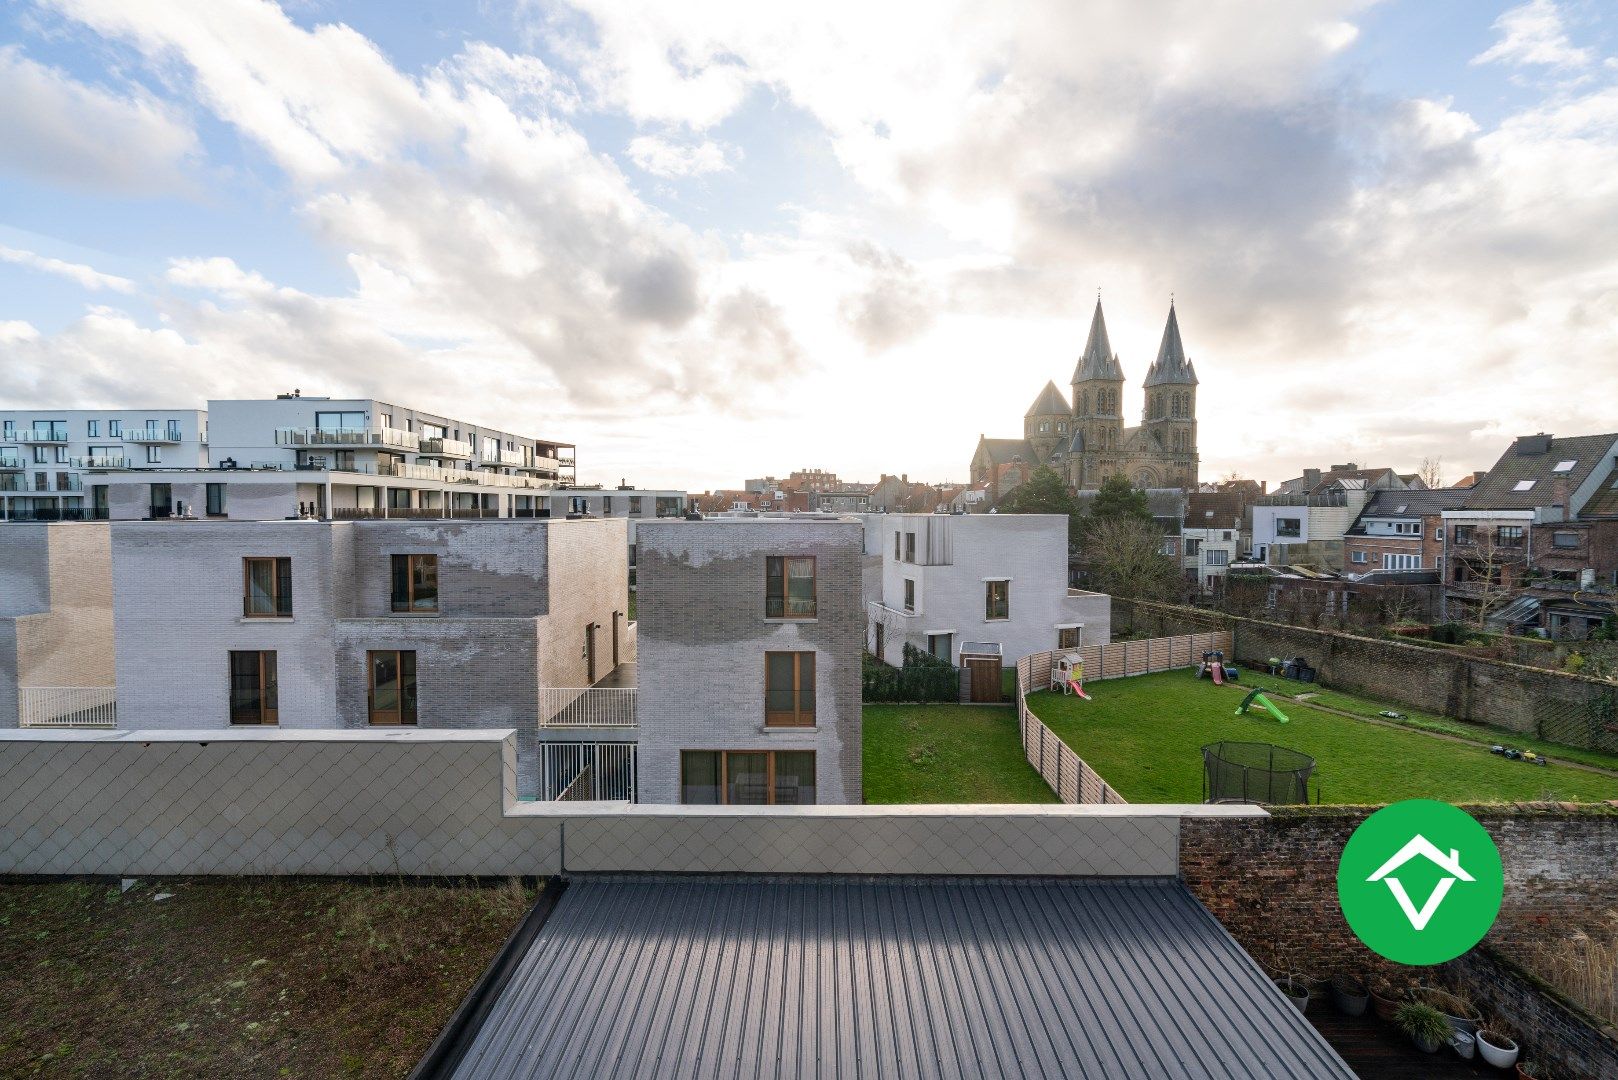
1085,440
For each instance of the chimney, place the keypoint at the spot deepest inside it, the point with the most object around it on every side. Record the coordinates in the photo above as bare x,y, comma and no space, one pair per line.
1562,497
1533,445
1311,477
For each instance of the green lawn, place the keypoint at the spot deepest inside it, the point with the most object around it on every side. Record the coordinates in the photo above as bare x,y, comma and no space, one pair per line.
947,754
1144,736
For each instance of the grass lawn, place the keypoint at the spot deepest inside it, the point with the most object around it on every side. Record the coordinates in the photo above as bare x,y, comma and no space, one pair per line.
947,754
1144,736
238,977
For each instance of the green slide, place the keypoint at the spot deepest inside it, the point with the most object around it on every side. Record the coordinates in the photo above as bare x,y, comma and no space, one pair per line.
1257,697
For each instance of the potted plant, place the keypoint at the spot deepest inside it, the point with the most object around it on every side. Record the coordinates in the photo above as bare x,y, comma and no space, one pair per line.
1456,1009
1385,997
1529,1069
1295,990
1497,1048
1464,1045
1348,993
1424,1024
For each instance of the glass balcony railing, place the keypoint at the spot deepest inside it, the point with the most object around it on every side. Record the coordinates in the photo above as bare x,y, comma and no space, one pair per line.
450,448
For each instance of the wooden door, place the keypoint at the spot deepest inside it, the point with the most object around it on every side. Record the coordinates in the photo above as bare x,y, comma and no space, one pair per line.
386,700
985,679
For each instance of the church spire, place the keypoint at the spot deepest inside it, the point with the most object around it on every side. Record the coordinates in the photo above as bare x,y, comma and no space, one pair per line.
1098,361
1171,365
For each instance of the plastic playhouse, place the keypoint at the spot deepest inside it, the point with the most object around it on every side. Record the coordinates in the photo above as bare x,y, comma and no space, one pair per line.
1213,667
1067,674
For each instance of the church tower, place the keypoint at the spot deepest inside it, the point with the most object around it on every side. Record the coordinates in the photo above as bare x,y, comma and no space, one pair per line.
1169,421
1045,425
1098,418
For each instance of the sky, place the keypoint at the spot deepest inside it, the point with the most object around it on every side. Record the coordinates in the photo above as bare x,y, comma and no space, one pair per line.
721,239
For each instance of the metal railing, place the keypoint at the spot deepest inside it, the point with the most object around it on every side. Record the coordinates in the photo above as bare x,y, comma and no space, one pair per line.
587,772
67,706
12,463
587,706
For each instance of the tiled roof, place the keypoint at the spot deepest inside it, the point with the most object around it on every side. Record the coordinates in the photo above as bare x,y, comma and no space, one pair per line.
1098,361
1533,459
1171,365
1002,451
1408,505
1049,403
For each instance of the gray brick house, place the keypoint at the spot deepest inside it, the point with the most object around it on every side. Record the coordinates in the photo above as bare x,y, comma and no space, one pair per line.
750,638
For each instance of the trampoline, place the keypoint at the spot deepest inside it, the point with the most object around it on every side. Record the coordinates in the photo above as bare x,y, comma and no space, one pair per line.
1248,772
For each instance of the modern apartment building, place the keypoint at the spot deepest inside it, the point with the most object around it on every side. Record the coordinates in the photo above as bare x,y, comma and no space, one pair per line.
53,462
316,624
750,635
981,582
56,645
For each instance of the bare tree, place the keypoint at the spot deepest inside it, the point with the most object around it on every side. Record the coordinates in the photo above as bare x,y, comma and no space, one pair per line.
1432,471
1489,561
1124,557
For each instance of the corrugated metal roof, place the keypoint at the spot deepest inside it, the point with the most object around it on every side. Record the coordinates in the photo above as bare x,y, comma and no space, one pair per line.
889,978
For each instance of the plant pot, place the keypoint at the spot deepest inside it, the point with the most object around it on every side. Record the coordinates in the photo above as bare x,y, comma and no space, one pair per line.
1426,1046
1386,1004
1461,1016
1348,993
1497,1049
1464,1045
1295,993
1524,1074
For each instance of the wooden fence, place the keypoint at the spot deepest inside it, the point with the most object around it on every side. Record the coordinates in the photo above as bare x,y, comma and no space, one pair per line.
1069,775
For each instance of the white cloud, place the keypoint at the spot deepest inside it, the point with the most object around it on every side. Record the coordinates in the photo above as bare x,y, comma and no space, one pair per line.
62,131
670,159
1534,34
87,277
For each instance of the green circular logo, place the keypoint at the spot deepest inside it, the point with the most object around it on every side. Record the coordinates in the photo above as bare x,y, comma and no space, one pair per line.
1420,882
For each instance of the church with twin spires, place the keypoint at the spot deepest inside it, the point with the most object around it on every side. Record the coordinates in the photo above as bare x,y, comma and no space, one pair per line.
1085,439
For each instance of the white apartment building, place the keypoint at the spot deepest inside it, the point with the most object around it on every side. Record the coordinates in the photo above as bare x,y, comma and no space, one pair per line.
53,462
1205,554
986,579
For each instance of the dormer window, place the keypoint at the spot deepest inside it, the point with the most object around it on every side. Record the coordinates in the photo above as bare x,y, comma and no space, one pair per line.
1564,466
1524,485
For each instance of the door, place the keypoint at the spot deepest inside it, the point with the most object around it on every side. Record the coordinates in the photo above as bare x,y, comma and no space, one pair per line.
985,679
879,643
615,617
392,691
590,653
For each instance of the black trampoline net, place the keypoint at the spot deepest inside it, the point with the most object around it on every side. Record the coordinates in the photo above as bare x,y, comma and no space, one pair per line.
1255,773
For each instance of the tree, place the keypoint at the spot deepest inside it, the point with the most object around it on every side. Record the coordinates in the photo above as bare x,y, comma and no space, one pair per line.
1118,498
1432,472
1045,492
1124,557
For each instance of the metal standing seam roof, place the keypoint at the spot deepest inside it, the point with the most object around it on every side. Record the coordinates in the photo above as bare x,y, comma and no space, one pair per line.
885,978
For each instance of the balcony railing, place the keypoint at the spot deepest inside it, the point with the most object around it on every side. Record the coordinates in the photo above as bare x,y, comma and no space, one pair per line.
25,483
41,435
427,472
67,706
102,462
451,448
12,464
152,435
587,707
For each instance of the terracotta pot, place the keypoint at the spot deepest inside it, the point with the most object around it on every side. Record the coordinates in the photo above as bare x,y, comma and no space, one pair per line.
1385,1006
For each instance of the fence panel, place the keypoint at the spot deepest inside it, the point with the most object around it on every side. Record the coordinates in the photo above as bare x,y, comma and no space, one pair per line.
588,772
609,707
67,706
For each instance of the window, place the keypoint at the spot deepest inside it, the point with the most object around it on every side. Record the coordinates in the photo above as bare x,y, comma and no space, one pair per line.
92,429
997,599
634,504
910,547
1288,526
1067,637
898,539
1216,557
172,431
1523,485
8,430
267,588
391,695
1565,539
215,500
789,689
115,429
415,583
162,501
253,688
606,505
1466,534
747,777
1044,426
942,646
789,587
61,455
1564,466
1193,546
1401,562
41,455
154,455
1357,556
1508,535
910,595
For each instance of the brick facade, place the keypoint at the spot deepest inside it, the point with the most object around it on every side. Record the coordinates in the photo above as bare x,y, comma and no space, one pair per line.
55,609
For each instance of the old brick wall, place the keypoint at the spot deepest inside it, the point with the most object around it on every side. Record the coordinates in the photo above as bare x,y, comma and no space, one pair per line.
1549,704
1553,1029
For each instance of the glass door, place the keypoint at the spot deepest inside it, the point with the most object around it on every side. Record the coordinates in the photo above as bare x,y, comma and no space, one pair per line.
392,692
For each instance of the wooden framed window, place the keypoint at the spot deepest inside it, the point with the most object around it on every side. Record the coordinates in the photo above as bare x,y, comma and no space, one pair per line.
747,777
1067,637
997,599
391,693
267,588
789,689
415,583
789,587
254,691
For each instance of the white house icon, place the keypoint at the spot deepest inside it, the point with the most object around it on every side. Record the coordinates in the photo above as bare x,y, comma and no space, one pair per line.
1450,864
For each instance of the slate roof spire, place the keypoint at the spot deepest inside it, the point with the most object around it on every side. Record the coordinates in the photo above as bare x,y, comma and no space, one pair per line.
1171,365
1050,402
1098,361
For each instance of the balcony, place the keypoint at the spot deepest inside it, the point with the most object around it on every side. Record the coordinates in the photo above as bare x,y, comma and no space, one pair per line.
447,448
489,457
102,463
322,437
428,472
152,435
42,435
67,706
12,464
63,482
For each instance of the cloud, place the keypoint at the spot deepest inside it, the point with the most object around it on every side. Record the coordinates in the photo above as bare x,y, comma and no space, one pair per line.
669,159
894,306
1534,34
62,131
87,277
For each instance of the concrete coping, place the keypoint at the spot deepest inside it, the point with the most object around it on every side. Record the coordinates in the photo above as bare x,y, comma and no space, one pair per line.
258,734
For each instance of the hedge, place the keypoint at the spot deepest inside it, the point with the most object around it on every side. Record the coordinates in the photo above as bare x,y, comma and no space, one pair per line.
923,677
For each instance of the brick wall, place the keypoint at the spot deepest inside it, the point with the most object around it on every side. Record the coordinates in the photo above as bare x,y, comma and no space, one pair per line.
1549,704
55,609
1555,1029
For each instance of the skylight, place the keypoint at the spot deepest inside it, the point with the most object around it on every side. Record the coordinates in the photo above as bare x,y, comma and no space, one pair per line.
1524,485
1564,466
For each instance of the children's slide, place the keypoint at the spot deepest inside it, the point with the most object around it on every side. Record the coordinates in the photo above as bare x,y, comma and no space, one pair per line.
1078,688
1218,671
1257,698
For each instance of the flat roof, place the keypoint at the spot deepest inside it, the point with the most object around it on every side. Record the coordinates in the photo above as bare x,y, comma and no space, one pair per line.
889,977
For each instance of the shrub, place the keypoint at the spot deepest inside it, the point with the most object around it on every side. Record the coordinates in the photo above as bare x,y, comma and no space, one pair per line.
923,677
